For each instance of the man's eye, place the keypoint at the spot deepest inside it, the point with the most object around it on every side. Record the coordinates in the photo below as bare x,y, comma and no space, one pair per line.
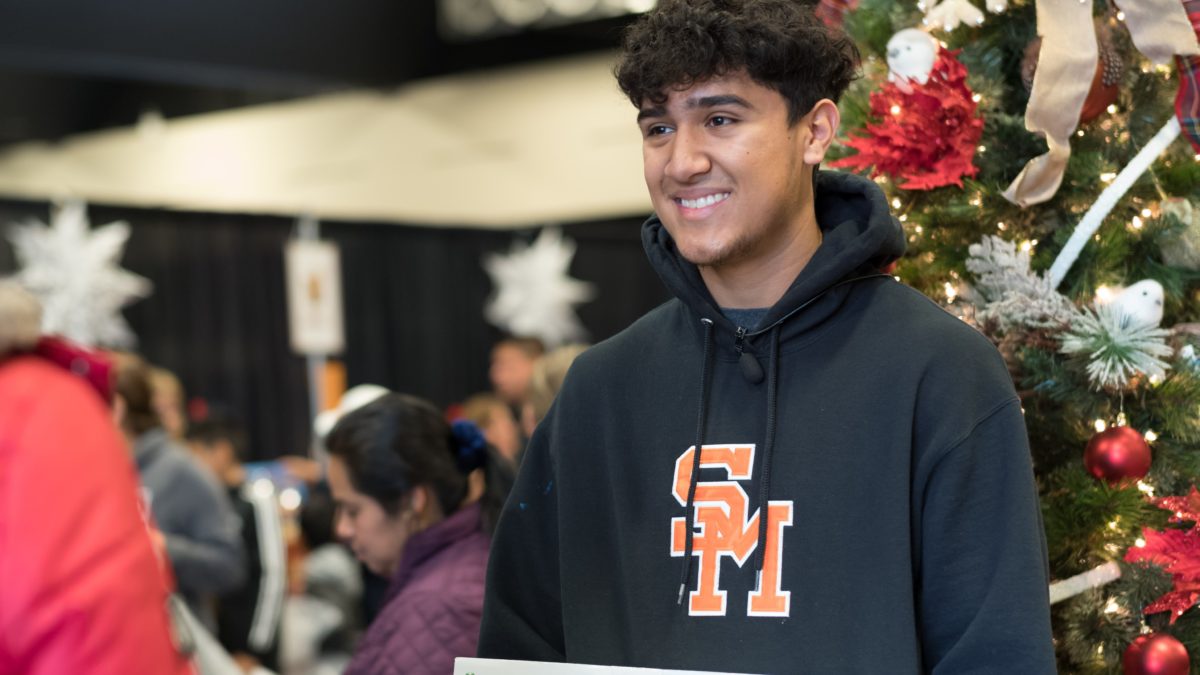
720,121
657,130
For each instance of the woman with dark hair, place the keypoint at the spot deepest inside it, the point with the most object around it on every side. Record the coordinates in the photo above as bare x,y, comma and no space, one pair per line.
417,501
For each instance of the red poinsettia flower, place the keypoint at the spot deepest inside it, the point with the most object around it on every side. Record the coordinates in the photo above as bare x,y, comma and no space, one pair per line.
924,138
1183,509
1177,551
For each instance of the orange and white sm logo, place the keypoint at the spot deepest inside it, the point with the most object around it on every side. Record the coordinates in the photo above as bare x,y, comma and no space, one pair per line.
723,527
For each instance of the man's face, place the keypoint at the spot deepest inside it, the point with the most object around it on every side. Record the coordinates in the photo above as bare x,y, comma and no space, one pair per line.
725,170
510,372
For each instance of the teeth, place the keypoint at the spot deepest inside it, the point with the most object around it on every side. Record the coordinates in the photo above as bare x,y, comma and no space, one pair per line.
704,201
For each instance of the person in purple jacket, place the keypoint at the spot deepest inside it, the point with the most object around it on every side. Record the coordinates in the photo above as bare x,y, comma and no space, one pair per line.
417,500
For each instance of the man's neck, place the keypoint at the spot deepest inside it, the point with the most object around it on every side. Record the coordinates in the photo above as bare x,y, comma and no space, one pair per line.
760,281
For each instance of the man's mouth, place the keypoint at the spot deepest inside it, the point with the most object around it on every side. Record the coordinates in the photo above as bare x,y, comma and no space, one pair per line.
702,202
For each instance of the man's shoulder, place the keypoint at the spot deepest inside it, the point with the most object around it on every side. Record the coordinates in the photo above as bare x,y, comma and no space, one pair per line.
655,328
908,316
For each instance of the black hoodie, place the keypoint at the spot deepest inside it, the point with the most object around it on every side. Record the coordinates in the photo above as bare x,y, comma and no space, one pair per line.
884,434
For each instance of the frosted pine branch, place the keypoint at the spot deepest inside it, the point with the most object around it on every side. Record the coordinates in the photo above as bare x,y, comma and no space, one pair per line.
1014,296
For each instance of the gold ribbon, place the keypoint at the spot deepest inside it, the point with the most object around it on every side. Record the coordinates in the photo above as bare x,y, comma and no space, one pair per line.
1067,63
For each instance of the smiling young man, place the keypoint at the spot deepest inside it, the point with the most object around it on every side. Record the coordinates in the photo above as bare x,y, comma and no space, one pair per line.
863,499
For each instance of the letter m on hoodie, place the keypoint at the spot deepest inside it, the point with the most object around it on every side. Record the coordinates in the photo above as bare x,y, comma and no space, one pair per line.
723,527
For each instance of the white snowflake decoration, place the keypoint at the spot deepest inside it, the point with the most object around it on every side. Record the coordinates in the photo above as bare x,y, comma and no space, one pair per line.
534,294
75,273
949,14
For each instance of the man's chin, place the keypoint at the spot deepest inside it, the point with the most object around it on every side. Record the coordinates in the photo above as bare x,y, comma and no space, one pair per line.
704,258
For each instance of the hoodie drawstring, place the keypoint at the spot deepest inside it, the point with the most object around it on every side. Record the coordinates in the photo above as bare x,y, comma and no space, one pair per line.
769,446
701,419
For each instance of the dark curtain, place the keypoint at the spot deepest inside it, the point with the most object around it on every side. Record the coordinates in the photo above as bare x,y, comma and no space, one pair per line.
414,299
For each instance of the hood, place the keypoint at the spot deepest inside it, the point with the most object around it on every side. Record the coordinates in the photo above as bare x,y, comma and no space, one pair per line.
860,237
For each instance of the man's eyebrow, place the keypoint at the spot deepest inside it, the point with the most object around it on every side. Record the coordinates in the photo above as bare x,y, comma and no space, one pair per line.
719,100
713,101
656,111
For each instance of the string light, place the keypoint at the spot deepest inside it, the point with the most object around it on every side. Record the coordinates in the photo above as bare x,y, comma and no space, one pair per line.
976,97
1001,226
1115,523
1112,108
1150,436
895,110
976,201
1122,421
1136,222
982,149
263,487
1156,380
1108,176
904,217
1100,425
918,229
1112,607
1146,213
896,203
1079,133
1120,16
1026,246
1139,542
289,499
1104,295
1146,488
951,291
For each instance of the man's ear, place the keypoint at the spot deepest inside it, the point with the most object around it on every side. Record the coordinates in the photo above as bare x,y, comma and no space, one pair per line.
822,123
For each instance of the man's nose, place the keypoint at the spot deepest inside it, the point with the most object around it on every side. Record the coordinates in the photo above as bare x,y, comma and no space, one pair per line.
689,157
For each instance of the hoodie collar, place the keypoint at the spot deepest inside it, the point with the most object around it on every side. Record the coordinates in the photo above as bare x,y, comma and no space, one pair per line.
860,237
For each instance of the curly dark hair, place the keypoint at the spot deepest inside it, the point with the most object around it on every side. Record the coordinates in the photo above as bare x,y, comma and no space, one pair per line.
780,44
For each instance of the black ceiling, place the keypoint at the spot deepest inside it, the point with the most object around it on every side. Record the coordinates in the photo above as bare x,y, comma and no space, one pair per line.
68,66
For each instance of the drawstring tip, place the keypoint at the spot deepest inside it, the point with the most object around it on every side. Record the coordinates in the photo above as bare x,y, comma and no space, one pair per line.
682,588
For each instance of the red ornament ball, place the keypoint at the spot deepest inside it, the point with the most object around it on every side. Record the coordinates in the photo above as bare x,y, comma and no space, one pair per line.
1117,455
1157,654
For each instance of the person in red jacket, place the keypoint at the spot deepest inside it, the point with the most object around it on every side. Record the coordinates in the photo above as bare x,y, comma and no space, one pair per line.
84,591
409,509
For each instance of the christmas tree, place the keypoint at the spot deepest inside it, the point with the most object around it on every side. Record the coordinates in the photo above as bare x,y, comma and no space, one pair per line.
1077,251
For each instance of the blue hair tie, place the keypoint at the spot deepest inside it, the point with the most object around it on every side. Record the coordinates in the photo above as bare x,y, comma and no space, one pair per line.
472,446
